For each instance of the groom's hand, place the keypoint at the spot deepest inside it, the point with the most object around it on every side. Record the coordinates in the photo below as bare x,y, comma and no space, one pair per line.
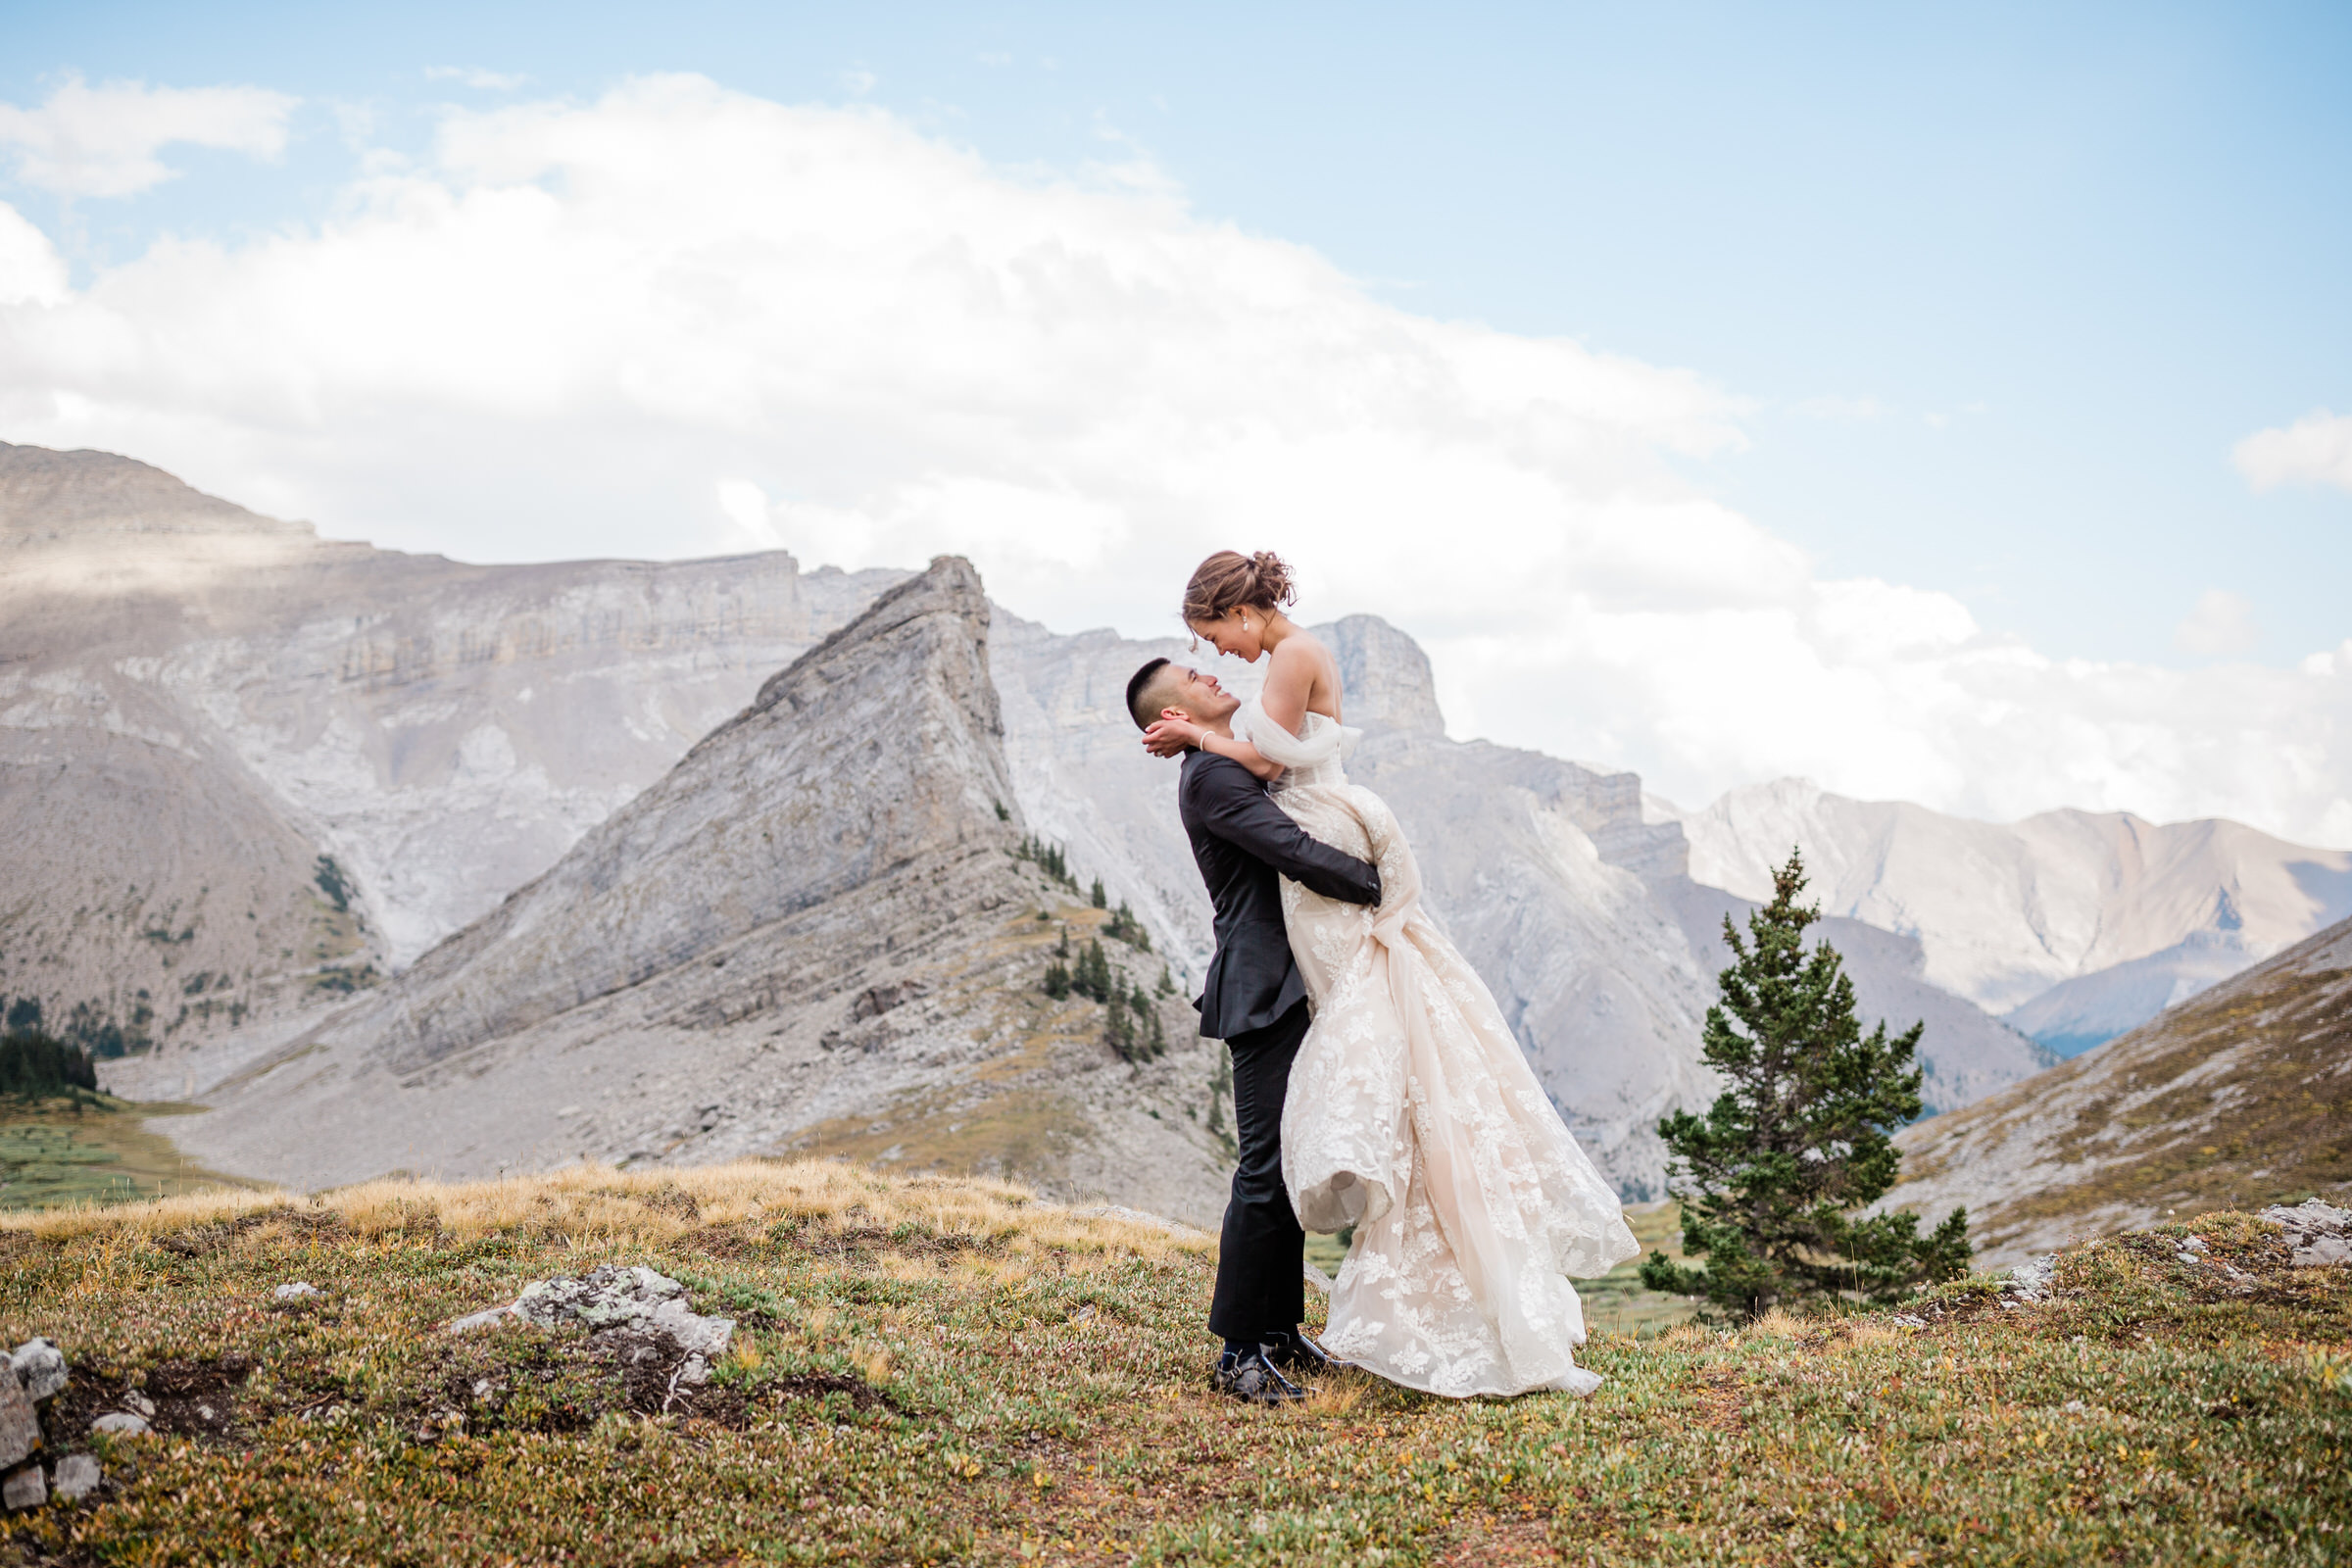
1172,735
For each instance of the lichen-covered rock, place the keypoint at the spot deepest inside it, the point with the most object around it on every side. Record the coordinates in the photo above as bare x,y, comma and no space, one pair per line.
122,1423
19,1425
634,1301
2320,1232
2030,1281
296,1291
77,1476
27,1488
40,1366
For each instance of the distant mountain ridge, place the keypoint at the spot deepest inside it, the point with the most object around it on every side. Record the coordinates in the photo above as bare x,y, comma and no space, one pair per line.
2073,925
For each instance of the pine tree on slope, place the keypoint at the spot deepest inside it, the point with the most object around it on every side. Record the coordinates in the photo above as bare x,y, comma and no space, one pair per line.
1769,1176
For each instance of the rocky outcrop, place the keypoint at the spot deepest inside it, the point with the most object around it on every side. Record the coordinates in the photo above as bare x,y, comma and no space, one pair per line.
2235,1099
2319,1233
813,933
31,1375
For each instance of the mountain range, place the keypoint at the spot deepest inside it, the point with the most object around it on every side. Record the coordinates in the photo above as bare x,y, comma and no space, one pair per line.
2073,926
274,789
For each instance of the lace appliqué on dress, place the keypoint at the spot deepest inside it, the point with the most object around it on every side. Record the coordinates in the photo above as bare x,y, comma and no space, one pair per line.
1413,1117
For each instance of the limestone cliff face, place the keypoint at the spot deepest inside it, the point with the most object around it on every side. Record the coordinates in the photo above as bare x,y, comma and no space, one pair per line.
877,750
197,704
814,932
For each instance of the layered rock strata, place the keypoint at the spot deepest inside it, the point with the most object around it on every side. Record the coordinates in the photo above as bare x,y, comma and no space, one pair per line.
813,933
244,771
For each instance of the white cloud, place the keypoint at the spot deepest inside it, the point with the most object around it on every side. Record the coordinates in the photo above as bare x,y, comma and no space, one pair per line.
858,83
2221,623
682,321
475,77
2315,449
103,141
31,273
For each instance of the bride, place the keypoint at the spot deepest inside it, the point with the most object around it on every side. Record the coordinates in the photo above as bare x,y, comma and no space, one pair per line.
1411,1115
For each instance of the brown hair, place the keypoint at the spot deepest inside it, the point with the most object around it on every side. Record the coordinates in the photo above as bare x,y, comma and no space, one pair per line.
1229,580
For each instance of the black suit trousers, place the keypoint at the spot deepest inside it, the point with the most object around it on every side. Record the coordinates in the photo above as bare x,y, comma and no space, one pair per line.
1262,1258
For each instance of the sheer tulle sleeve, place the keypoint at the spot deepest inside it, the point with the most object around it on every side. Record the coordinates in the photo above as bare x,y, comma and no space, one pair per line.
1324,739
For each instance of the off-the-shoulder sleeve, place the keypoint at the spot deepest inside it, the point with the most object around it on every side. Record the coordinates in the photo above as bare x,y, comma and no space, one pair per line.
1275,744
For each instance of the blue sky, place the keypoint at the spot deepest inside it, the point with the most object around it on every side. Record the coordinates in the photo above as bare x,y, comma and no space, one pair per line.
2096,245
1976,302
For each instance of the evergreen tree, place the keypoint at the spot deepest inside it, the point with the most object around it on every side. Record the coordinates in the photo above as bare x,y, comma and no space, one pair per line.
1100,899
35,1063
1058,980
1769,1178
1167,981
1091,975
1127,928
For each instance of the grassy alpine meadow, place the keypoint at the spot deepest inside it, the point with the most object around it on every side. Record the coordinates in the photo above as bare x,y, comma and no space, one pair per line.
938,1371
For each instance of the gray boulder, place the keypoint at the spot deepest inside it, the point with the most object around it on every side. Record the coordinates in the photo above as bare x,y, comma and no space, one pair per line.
122,1423
296,1291
2320,1232
40,1366
2030,1281
636,1303
19,1425
27,1488
77,1476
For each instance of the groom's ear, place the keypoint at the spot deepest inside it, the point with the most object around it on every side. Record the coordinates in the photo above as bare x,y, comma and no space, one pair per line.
1146,692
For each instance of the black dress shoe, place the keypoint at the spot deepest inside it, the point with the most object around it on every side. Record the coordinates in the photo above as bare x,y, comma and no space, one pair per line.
1254,1379
1299,1354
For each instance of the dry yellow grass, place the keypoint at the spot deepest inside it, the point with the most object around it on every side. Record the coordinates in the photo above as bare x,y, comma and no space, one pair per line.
595,1206
930,1371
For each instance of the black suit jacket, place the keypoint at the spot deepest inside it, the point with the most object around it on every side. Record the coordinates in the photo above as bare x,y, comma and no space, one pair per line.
1245,843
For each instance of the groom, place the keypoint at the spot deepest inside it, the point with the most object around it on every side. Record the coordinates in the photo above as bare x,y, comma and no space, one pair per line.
1255,1002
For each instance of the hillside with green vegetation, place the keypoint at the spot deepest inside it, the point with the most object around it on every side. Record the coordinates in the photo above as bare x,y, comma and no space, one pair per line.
942,1371
2235,1099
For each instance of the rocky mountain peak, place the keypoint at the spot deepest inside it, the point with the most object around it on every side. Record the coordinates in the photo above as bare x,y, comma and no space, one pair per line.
823,930
50,495
878,749
1387,676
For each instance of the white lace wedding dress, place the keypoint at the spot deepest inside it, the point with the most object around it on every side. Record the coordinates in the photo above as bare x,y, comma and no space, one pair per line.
1413,1117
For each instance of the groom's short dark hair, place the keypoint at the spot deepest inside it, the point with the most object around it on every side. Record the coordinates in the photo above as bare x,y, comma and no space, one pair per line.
1139,688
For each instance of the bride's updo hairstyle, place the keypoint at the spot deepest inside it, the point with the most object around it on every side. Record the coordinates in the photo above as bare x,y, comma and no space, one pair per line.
1229,580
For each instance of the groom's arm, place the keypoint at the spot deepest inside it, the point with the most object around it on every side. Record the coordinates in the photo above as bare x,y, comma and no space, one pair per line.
1235,806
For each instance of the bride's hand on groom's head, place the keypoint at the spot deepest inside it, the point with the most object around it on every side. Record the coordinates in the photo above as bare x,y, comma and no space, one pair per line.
1172,734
